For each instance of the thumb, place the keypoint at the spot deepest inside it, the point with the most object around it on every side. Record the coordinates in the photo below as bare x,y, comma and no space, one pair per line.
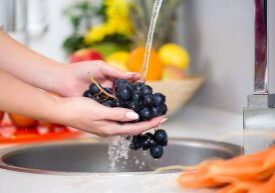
120,114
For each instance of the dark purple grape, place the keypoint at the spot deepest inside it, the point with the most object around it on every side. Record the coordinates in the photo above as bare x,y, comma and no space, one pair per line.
134,105
136,142
146,90
163,109
124,93
156,151
88,94
108,103
158,99
145,143
149,135
94,89
137,96
145,114
119,83
109,90
156,111
138,86
115,103
147,100
161,137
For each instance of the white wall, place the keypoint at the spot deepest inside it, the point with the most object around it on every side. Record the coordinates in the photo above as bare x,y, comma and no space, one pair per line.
220,37
51,43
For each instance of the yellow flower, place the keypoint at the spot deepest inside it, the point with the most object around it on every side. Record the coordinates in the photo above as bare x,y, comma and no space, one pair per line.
118,21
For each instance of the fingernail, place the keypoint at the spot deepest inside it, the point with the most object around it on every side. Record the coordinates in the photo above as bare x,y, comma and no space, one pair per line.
131,73
163,121
132,115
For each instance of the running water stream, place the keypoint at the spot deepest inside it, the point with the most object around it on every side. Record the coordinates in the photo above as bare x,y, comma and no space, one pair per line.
119,145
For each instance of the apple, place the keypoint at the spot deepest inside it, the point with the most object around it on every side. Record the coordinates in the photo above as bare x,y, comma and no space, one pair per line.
21,121
85,54
1,115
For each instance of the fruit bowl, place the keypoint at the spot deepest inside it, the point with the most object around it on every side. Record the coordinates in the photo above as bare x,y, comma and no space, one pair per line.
178,92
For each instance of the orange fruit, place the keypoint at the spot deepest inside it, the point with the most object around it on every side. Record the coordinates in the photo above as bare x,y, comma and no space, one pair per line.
135,62
21,121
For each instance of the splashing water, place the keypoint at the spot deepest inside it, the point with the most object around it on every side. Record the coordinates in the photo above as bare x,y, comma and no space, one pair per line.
150,37
118,148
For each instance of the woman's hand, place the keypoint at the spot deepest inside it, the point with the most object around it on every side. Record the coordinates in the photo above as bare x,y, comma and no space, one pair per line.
75,78
88,115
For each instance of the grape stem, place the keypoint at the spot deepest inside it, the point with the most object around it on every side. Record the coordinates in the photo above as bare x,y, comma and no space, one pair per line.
101,89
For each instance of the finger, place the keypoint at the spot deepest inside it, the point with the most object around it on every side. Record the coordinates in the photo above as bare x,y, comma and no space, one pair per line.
116,73
137,128
136,76
120,114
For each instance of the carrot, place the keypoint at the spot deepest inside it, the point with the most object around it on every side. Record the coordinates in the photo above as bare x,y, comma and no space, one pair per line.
267,187
232,189
200,177
254,173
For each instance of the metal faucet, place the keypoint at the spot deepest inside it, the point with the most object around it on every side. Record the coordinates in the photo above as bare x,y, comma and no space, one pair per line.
259,115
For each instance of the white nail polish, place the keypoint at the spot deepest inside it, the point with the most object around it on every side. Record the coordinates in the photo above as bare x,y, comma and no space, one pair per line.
132,115
163,121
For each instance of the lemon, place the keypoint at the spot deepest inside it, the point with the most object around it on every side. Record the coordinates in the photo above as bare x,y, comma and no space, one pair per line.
118,60
174,55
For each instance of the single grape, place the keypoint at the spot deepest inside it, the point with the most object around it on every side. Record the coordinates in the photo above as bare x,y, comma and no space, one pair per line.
109,90
138,86
124,93
119,83
156,151
149,135
137,96
108,103
136,142
156,111
145,114
158,99
88,94
147,100
134,105
161,137
163,109
146,90
145,142
94,89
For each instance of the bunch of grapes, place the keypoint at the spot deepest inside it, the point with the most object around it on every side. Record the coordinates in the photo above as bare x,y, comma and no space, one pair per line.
140,98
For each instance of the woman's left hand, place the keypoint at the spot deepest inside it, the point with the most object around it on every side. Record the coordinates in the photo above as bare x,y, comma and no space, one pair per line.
75,77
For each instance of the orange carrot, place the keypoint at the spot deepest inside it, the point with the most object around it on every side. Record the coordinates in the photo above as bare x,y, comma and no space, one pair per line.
254,173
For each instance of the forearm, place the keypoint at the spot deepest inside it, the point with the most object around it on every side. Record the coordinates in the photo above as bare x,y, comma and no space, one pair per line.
27,65
18,97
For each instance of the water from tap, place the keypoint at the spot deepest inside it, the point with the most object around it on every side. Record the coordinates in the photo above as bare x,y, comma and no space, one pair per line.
150,37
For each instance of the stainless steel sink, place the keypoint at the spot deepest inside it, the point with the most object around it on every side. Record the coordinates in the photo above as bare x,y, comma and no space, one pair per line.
91,156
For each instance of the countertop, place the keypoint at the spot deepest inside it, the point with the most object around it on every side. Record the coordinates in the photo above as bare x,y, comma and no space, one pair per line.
192,121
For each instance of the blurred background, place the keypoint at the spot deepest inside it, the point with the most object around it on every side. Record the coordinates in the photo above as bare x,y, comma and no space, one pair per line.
211,39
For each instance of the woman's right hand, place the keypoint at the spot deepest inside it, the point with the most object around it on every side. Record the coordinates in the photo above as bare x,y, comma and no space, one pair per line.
88,115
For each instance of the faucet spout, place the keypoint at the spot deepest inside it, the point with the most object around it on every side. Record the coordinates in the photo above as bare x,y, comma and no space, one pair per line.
261,48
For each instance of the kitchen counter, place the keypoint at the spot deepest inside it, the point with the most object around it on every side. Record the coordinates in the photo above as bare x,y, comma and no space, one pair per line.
193,121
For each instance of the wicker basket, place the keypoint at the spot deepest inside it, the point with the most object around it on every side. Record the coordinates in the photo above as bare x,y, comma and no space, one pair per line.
177,92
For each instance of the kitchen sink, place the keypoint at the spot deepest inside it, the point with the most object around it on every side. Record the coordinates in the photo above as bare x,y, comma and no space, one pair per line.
90,156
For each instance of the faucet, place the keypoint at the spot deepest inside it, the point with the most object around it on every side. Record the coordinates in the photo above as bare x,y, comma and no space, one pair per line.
259,115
